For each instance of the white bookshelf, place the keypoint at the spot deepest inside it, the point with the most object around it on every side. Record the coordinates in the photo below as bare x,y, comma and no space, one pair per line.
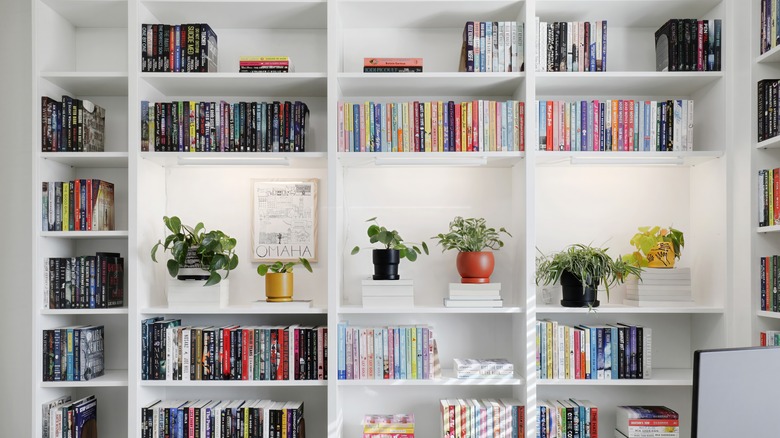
547,200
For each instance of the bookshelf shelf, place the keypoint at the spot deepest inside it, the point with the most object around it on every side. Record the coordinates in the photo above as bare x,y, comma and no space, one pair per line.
112,311
770,56
769,315
661,377
222,85
120,234
91,13
623,309
447,379
623,159
232,159
357,310
231,310
770,143
89,83
770,229
623,84
233,383
427,13
408,85
636,14
89,159
269,14
115,378
436,159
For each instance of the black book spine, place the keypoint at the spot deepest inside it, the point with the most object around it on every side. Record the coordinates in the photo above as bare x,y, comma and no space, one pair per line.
160,48
550,47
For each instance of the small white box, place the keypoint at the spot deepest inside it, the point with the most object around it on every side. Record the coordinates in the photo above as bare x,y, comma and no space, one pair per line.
192,294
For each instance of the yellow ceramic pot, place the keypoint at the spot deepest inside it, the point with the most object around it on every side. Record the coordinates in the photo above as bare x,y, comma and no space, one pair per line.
661,256
279,287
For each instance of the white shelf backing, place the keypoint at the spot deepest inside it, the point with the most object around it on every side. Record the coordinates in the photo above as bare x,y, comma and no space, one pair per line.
770,56
239,84
275,159
408,85
447,379
430,13
640,13
120,234
296,14
623,309
434,159
109,378
770,143
766,314
89,83
623,83
231,310
111,311
349,309
233,383
91,13
661,377
89,159
626,158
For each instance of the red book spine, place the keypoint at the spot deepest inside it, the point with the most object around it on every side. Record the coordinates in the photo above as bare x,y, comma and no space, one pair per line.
475,125
244,354
76,205
699,45
762,339
89,205
596,138
457,127
549,119
654,422
226,353
776,193
280,354
577,364
469,127
594,422
286,354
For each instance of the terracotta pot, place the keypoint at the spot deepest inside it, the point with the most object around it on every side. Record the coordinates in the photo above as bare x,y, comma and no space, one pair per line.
279,287
661,256
575,295
475,267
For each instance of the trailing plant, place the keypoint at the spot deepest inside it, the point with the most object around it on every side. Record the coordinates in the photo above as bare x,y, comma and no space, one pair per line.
390,239
471,235
588,264
215,249
282,268
648,237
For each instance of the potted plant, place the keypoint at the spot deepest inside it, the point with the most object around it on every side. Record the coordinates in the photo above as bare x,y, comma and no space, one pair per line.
394,249
471,237
197,254
656,247
580,269
279,279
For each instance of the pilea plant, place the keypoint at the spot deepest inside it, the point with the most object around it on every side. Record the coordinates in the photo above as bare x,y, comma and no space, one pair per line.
390,239
281,268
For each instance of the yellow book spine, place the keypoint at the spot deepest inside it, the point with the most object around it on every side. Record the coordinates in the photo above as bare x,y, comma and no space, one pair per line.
492,116
348,126
413,331
434,127
468,122
66,206
566,353
440,127
550,348
427,111
367,127
193,137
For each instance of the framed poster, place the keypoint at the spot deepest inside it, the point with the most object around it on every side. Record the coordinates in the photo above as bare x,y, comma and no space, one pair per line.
284,219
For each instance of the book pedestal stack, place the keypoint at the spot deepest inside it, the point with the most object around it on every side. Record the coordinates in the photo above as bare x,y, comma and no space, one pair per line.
646,421
483,368
474,295
388,426
388,293
660,287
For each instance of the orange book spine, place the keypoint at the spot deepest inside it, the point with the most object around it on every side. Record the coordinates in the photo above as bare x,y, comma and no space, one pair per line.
549,126
457,127
392,62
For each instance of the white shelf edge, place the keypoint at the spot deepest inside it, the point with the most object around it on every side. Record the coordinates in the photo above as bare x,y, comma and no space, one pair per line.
771,55
770,143
357,310
625,158
111,311
447,379
627,74
768,314
83,74
661,377
275,159
436,159
624,309
770,229
232,383
434,75
89,159
231,310
121,234
110,378
174,76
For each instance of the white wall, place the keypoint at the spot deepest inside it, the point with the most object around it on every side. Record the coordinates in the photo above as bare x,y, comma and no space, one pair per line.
15,208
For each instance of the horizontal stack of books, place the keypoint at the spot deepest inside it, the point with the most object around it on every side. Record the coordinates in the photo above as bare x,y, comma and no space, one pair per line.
73,353
392,65
646,421
483,368
567,418
64,417
388,426
265,64
388,293
461,418
72,125
660,287
474,295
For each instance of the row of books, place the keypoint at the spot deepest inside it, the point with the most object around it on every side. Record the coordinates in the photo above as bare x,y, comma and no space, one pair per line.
77,205
482,418
265,64
769,197
495,46
769,338
573,46
65,417
567,418
603,352
483,368
222,418
188,48
647,421
72,125
170,351
395,426
189,126
770,16
616,125
438,126
84,282
688,44
768,109
407,352
770,280
73,353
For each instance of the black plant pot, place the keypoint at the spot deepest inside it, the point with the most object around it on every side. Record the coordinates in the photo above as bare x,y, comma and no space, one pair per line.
386,264
575,295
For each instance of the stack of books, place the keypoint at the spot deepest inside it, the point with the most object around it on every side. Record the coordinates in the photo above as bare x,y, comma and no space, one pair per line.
474,295
388,293
265,64
388,426
483,368
392,65
660,287
644,421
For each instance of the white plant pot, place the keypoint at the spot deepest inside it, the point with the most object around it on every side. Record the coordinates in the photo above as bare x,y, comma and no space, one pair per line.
192,294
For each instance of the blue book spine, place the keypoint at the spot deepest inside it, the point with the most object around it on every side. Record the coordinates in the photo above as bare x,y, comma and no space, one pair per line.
584,125
356,127
342,371
402,356
615,352
607,349
371,147
419,353
446,126
602,128
425,354
69,339
177,48
604,45
510,117
482,46
599,333
396,354
634,353
542,116
594,355
646,125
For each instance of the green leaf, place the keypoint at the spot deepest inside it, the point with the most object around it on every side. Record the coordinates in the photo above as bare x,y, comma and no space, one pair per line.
355,250
173,267
233,262
288,267
262,270
371,220
425,248
174,224
305,264
373,230
198,228
277,267
154,251
411,255
214,278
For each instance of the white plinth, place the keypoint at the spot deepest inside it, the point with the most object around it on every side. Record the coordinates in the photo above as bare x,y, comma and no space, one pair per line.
192,294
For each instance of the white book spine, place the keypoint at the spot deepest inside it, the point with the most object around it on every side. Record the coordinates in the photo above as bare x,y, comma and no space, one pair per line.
185,357
647,357
689,137
169,347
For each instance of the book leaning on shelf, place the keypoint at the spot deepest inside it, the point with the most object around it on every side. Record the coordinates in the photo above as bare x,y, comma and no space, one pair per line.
616,125
73,353
72,125
77,205
190,48
482,417
571,46
64,417
223,418
84,282
190,126
492,46
567,418
688,45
